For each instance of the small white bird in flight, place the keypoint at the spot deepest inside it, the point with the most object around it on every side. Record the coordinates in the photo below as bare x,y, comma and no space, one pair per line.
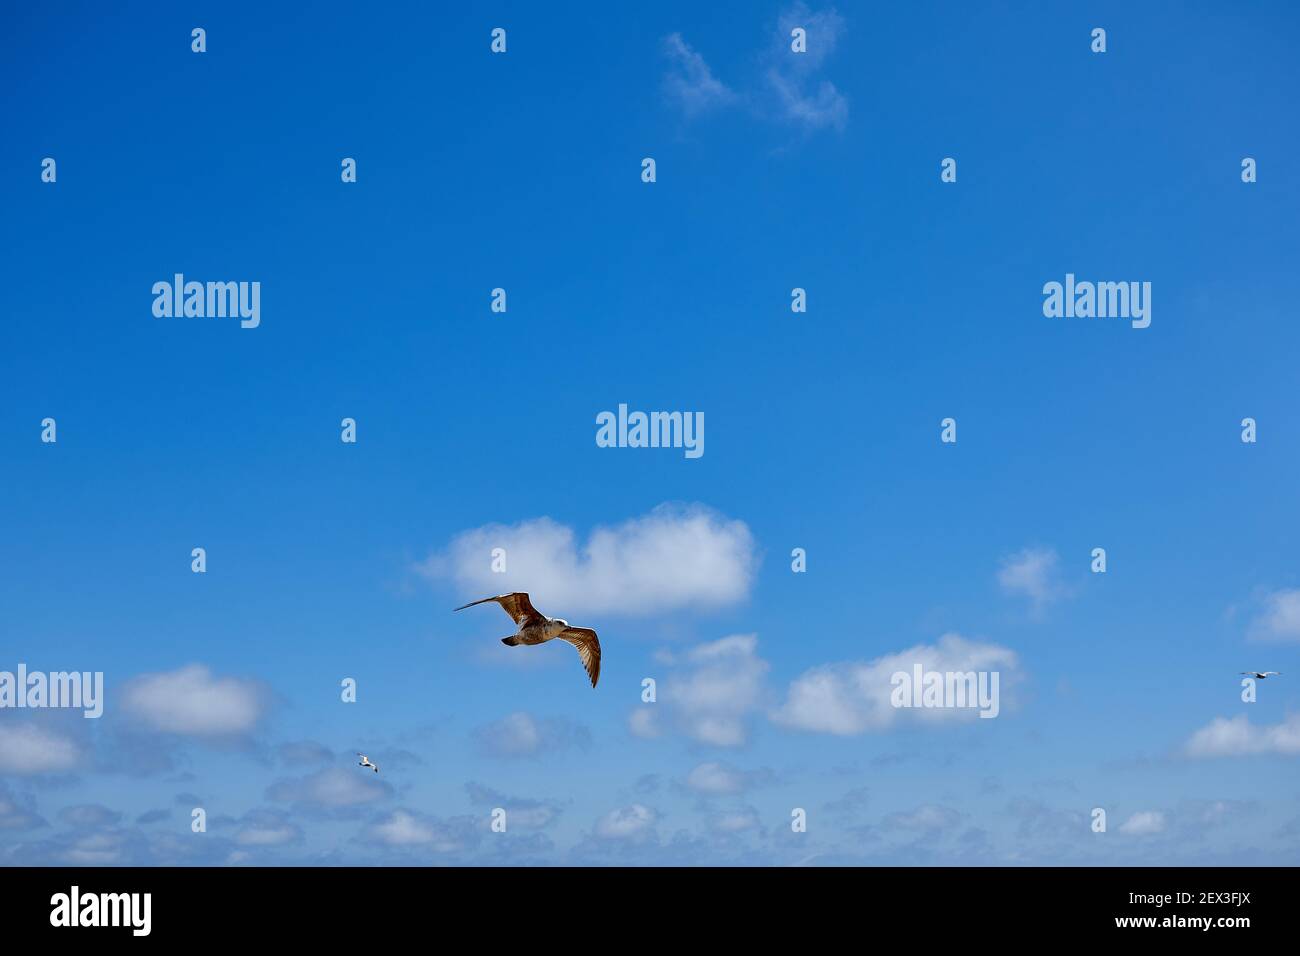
1263,674
365,762
537,628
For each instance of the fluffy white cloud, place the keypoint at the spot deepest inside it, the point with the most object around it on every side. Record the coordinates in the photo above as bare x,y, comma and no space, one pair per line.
1143,823
689,80
854,697
523,735
712,696
626,822
193,702
27,749
1279,618
674,557
1031,573
1238,737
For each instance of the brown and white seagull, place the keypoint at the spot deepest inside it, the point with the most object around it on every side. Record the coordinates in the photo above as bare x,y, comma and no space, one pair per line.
537,628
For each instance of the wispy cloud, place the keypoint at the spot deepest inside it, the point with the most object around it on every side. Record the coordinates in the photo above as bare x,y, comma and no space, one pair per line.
1032,573
300,753
332,788
1278,618
719,778
1144,823
526,812
789,88
689,81
799,94
18,813
89,815
522,735
925,819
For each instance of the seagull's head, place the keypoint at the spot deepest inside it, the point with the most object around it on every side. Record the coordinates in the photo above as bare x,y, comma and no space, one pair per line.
562,622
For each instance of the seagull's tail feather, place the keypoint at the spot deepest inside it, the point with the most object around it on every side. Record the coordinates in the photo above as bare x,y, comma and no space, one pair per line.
510,641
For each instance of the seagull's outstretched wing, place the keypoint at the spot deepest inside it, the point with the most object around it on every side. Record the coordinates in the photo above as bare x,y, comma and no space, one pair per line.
517,605
588,645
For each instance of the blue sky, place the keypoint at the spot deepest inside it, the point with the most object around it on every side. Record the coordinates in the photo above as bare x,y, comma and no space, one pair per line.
774,170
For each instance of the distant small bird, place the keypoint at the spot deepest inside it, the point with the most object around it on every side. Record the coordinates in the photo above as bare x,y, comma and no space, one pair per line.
1263,674
365,762
537,628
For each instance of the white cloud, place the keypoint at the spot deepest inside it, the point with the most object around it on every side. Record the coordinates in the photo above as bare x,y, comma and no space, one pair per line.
192,702
1238,737
27,749
1031,573
716,691
825,107
333,787
800,97
1143,823
854,697
625,822
690,81
674,557
402,828
523,735
1279,619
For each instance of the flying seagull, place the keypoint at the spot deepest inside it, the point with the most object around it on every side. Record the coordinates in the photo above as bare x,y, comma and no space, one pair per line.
1263,674
536,628
365,762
